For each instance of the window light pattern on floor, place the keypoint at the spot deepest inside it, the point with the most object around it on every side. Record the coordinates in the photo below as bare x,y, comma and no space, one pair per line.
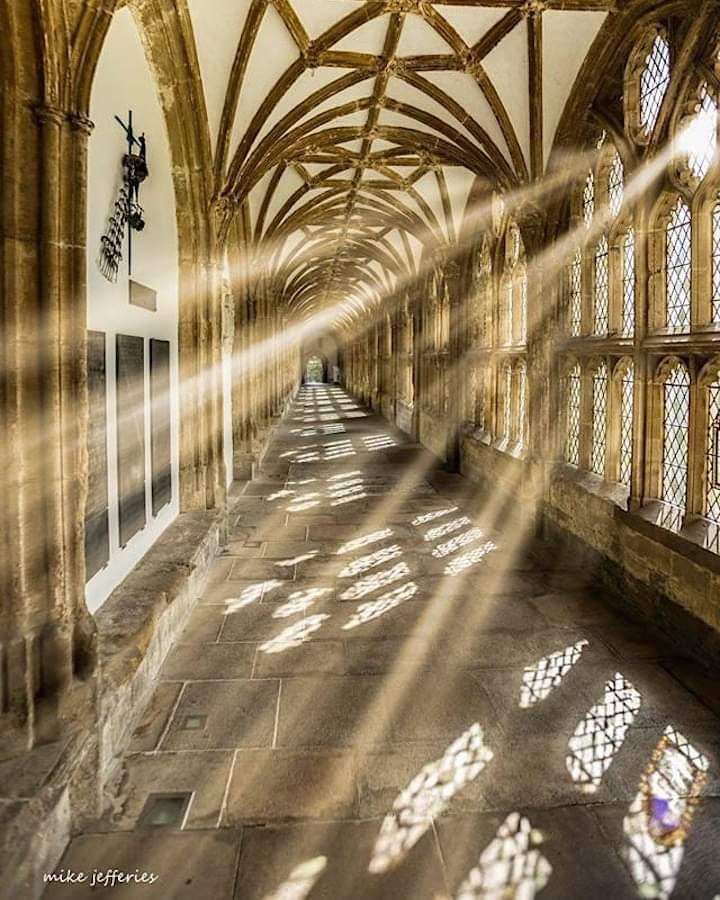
427,796
540,679
601,733
660,817
511,866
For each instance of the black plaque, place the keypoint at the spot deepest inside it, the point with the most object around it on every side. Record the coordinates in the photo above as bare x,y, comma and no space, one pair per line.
97,542
131,434
160,424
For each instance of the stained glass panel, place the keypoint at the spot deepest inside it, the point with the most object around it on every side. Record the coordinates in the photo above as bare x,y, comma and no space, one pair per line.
626,425
678,268
599,419
602,288
628,284
676,415
572,443
654,82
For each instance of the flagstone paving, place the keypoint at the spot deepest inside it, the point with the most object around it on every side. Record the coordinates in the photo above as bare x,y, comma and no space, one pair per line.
384,694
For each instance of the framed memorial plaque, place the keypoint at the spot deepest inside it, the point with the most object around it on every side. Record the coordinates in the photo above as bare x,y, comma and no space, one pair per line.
160,424
131,435
97,541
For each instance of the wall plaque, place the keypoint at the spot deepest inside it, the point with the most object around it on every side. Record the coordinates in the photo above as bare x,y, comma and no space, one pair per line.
142,296
160,424
97,542
131,435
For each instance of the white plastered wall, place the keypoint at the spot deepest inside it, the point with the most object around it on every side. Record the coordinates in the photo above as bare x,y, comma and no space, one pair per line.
123,81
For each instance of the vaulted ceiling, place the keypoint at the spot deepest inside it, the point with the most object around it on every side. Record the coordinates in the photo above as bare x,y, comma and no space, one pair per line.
352,131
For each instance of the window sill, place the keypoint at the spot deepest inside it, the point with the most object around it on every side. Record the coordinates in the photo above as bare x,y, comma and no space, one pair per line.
612,491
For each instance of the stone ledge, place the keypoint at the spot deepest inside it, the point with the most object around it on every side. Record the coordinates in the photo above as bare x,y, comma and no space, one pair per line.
143,617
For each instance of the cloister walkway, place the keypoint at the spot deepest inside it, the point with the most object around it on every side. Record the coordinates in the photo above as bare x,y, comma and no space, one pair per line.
382,696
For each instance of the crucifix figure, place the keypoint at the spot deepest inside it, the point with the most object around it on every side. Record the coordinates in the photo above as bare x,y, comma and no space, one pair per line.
127,207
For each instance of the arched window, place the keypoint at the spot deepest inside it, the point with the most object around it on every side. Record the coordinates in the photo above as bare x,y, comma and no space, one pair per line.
588,199
616,185
676,420
506,311
507,400
701,135
601,305
654,82
522,312
712,486
521,376
626,424
599,419
575,295
628,284
572,440
678,268
715,299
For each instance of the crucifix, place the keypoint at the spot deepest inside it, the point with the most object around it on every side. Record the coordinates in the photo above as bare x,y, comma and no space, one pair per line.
127,206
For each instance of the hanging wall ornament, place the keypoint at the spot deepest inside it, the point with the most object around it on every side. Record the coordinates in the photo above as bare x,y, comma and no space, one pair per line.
127,209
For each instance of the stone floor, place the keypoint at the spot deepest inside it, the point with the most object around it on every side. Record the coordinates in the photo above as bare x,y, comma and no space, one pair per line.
380,696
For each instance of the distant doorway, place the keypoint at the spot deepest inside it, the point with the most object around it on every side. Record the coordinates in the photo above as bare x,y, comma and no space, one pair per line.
314,370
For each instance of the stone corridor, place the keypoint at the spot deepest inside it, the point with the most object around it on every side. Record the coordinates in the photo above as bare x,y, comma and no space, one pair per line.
384,694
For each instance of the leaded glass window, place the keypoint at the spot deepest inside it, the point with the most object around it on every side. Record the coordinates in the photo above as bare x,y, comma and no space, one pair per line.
599,419
678,268
506,312
507,400
523,307
702,135
602,288
589,199
626,424
628,283
575,295
676,421
712,491
616,185
654,82
715,301
572,441
480,379
521,404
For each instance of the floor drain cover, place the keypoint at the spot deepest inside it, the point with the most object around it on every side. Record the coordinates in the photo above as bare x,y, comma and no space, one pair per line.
164,810
194,723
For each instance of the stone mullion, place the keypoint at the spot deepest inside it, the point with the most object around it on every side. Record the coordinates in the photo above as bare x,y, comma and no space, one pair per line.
217,488
453,364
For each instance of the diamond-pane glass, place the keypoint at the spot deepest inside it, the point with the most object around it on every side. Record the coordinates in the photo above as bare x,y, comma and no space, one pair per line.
480,397
572,442
602,288
654,82
521,401
626,425
628,284
701,136
507,401
523,307
616,185
715,302
678,268
575,295
599,420
676,416
589,199
506,312
712,492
